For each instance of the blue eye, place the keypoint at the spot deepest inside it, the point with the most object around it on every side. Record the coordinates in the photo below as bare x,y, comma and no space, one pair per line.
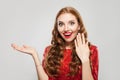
60,24
72,23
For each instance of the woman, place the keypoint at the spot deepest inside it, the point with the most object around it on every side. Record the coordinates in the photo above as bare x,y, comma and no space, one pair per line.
70,56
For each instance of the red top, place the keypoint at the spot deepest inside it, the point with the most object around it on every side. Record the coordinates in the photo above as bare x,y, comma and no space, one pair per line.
65,65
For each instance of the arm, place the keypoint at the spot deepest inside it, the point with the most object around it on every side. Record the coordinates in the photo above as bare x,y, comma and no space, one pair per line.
31,51
94,62
40,71
86,71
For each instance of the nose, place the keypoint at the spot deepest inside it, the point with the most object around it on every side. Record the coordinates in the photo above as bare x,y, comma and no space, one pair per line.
66,28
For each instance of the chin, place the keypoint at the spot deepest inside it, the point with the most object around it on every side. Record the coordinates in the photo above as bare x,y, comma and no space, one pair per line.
68,41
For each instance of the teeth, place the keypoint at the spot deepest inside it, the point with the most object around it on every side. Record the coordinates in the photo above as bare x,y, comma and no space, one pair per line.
67,34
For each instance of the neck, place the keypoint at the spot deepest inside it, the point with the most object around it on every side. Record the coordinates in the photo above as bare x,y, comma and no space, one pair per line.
68,45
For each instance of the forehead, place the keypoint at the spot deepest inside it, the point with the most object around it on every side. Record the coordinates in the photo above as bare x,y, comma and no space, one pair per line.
66,17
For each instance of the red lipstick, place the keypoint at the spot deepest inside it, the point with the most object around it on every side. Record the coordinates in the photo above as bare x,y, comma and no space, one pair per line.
67,34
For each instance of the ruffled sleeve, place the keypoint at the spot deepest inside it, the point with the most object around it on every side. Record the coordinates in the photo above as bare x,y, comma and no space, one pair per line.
94,62
44,55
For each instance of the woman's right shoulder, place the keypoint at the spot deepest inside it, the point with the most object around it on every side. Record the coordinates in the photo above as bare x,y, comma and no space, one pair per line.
47,49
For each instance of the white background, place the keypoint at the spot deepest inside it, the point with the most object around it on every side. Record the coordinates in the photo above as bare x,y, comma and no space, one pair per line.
30,22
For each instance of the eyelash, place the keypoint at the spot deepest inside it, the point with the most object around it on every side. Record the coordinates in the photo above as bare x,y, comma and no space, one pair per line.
72,23
60,24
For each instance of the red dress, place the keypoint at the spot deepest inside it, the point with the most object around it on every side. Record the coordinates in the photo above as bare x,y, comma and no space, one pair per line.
65,65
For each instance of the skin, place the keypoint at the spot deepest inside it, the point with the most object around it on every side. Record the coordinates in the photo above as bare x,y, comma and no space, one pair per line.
66,22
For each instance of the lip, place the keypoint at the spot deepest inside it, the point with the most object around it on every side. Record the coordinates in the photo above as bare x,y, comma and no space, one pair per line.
67,34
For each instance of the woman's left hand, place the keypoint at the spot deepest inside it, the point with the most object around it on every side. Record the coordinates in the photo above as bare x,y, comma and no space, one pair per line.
82,48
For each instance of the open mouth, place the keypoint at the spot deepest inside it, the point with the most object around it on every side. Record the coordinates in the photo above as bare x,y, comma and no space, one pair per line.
67,34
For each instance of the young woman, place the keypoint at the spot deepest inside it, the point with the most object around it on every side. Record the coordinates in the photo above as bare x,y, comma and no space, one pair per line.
70,56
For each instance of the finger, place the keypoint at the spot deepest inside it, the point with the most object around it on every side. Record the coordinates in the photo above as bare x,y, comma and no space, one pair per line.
83,38
19,48
79,39
76,40
13,45
76,45
87,43
25,46
16,47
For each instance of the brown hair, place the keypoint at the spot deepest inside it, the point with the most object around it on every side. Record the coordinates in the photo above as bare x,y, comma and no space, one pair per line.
55,54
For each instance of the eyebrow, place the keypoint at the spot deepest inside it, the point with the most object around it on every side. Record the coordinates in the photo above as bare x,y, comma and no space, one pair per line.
59,21
68,21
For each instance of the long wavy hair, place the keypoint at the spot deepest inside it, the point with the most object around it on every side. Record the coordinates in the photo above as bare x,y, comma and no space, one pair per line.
55,54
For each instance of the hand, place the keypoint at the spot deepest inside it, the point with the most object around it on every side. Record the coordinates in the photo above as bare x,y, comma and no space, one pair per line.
82,48
24,49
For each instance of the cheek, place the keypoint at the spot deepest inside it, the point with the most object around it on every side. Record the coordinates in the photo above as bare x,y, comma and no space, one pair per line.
60,30
75,29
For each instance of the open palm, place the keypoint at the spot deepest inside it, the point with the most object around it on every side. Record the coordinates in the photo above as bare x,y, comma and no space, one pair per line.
82,48
24,49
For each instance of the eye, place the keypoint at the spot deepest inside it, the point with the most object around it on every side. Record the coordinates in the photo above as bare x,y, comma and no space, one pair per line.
72,23
60,24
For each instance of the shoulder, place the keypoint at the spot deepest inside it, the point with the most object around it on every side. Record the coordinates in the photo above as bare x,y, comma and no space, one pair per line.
93,53
93,49
47,49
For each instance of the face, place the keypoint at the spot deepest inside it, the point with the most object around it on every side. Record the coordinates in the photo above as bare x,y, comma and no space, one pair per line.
68,26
